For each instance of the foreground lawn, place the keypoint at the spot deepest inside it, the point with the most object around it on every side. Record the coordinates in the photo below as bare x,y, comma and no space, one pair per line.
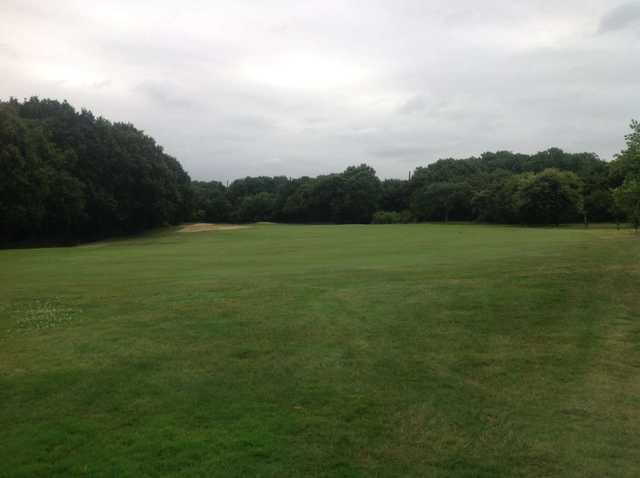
409,350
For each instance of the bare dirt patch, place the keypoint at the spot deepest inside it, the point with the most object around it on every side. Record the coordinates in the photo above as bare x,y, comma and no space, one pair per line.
206,226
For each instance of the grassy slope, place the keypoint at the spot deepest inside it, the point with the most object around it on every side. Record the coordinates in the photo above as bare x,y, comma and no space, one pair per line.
414,350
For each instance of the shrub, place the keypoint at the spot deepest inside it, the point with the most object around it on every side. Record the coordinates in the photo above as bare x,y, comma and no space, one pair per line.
392,217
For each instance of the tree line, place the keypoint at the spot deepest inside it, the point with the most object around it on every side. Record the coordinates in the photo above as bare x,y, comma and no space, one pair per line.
66,175
547,188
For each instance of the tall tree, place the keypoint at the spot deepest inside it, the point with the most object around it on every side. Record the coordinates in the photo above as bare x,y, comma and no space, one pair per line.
359,195
438,200
210,203
395,195
627,198
550,197
66,175
627,163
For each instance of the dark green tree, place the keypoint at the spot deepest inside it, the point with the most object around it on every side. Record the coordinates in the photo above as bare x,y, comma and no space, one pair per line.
437,200
210,203
396,195
627,163
627,200
358,195
256,207
550,197
68,176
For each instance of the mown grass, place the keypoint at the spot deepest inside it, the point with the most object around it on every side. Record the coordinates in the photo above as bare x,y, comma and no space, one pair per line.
406,350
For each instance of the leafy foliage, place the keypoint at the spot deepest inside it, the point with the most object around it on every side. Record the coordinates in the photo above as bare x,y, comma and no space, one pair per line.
551,196
627,163
256,207
627,198
67,175
392,217
210,202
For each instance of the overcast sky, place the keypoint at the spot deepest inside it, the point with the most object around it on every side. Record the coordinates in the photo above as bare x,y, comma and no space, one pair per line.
235,88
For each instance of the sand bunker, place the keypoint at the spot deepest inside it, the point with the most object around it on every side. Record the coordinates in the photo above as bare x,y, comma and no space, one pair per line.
205,226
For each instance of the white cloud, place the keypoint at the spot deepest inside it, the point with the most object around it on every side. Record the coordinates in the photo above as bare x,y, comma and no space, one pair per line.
234,88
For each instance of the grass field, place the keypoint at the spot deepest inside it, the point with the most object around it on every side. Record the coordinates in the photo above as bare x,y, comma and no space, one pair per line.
407,350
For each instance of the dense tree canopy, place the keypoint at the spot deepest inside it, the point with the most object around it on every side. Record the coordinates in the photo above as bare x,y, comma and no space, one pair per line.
549,187
551,196
67,175
210,202
625,171
627,163
627,199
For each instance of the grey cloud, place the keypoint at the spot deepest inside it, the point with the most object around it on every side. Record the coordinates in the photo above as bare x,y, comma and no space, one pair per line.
98,85
232,88
621,17
165,95
359,132
400,152
314,120
167,53
252,123
416,104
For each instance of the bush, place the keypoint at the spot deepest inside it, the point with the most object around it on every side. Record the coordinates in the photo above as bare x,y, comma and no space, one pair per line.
392,217
257,207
